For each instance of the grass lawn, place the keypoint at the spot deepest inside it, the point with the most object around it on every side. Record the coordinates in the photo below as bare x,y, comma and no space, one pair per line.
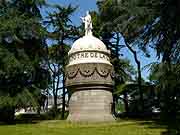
65,128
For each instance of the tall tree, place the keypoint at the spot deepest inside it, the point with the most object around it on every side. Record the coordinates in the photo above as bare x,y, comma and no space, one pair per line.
21,45
61,34
110,26
123,69
153,23
166,79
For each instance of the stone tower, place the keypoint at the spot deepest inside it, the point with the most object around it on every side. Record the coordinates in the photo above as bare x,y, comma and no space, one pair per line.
89,79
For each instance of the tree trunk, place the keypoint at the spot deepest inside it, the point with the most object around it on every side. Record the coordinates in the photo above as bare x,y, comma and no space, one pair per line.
126,105
139,75
114,105
63,98
55,102
140,86
63,80
115,68
7,114
54,93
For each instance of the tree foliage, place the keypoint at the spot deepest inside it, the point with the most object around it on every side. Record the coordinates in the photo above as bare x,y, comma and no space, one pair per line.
155,24
62,32
166,79
122,67
22,71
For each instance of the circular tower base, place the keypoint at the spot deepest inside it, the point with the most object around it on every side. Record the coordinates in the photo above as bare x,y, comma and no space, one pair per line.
89,80
90,106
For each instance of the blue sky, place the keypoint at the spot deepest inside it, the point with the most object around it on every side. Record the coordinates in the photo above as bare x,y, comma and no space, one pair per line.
83,6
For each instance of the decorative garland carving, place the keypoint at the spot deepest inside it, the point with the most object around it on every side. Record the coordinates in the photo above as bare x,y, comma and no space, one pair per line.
71,74
88,70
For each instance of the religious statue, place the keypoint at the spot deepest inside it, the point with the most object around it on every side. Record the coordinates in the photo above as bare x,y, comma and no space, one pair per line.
88,24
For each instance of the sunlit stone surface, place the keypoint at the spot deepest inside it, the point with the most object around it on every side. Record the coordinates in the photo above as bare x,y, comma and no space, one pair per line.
89,76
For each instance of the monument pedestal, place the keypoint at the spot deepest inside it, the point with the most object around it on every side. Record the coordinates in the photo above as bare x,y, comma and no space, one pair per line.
90,106
89,79
90,85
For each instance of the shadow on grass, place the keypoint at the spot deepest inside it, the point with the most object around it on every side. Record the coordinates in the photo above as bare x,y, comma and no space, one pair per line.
19,122
170,123
171,127
34,118
25,119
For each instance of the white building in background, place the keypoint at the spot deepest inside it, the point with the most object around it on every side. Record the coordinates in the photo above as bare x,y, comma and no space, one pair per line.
48,104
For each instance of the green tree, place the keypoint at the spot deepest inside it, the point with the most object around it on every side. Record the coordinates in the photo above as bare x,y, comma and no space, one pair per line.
155,24
61,34
123,69
168,91
23,74
129,93
114,37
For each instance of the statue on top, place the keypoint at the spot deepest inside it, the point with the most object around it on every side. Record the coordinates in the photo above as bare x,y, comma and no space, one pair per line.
88,24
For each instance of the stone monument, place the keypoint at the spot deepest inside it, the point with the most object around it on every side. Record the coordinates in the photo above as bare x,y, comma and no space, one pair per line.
89,79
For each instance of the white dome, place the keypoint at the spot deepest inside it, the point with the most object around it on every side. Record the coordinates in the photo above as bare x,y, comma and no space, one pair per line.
88,49
88,43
